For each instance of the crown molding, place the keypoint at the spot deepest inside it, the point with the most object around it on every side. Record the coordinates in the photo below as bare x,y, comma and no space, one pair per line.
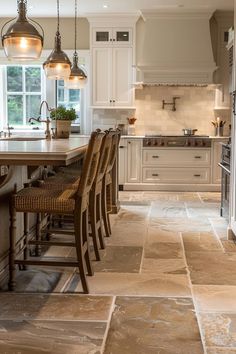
174,13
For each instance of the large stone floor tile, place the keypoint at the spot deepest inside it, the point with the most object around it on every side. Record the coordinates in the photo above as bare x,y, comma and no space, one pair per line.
158,235
133,213
166,266
200,241
229,246
181,224
219,330
153,325
189,197
140,284
212,268
54,337
223,350
161,196
127,234
210,197
215,298
54,307
168,210
119,259
163,250
203,209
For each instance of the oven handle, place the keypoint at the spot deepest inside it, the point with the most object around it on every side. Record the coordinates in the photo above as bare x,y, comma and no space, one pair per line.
224,168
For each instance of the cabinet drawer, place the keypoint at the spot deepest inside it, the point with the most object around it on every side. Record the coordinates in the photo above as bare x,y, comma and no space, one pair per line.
177,157
176,175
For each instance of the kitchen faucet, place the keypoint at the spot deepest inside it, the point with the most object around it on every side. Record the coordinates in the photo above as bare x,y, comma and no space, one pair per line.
47,121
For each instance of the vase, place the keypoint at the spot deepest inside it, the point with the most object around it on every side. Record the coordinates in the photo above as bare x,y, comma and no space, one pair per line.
63,129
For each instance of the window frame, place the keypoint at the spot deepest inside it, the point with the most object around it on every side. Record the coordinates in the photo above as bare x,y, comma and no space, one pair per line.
22,93
50,91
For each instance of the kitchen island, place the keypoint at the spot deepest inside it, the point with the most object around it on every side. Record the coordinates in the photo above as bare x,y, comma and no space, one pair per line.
32,152
22,161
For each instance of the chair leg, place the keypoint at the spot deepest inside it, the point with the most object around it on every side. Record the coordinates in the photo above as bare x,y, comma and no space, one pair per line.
79,251
38,235
99,221
85,242
26,236
104,212
94,233
109,187
12,268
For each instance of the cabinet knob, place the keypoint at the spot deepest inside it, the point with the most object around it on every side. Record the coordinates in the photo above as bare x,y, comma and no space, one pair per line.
113,101
129,142
110,39
110,101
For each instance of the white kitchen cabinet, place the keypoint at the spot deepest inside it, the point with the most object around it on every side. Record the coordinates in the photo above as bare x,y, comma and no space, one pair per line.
134,163
177,157
112,77
102,36
122,161
216,150
176,175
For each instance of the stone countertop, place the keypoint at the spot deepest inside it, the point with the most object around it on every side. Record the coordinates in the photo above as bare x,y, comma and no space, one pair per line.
42,152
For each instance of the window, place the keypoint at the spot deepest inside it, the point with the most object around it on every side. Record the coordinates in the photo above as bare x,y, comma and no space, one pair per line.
24,86
69,99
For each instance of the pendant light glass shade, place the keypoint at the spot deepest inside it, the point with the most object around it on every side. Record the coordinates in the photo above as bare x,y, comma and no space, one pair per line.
77,78
58,65
22,41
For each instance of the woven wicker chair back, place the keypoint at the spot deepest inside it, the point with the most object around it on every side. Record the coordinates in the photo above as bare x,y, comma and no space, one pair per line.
91,163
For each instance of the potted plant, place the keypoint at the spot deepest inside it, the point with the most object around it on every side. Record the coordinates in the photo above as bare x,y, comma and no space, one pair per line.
63,118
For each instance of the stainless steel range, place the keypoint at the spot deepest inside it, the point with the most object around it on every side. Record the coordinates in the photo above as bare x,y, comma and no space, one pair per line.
199,141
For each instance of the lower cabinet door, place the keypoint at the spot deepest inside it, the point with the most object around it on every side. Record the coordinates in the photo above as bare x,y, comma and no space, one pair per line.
134,161
176,175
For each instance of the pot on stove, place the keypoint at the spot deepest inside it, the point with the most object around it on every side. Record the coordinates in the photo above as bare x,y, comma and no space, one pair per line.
189,131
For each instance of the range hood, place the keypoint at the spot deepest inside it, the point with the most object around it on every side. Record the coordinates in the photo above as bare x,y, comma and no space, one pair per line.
174,47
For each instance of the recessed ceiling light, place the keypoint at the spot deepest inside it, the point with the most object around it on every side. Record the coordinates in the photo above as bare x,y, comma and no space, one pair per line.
105,6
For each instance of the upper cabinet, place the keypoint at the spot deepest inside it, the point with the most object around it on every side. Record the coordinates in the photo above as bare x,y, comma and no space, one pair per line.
112,42
111,36
112,77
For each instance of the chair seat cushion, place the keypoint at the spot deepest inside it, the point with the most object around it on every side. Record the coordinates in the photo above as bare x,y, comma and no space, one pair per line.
61,181
34,199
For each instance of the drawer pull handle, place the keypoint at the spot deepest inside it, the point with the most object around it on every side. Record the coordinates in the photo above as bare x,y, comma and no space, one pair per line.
198,157
155,157
197,175
121,147
155,174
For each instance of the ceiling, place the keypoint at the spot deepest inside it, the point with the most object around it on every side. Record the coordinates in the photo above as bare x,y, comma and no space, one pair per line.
47,8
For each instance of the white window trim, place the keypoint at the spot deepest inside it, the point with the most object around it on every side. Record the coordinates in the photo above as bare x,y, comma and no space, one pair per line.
50,89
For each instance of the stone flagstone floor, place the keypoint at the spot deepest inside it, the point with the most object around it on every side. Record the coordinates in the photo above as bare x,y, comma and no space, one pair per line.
166,284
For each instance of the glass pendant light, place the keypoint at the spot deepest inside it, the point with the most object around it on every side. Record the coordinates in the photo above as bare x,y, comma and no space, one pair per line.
22,41
58,65
77,78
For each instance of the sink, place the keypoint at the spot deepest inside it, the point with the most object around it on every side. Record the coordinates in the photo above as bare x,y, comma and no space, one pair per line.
21,138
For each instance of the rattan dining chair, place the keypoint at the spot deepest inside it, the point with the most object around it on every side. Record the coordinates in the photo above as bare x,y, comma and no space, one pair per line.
70,178
107,183
73,202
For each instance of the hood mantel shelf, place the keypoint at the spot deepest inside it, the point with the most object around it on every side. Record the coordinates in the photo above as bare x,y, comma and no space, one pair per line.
175,48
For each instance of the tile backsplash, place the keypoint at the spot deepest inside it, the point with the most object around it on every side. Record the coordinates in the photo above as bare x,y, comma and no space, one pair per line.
194,109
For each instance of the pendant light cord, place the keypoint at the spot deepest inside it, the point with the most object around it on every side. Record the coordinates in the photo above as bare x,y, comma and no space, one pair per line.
75,24
58,17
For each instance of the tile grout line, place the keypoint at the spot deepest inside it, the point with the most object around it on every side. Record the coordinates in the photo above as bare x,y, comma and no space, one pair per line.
108,324
199,196
192,295
145,239
215,234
